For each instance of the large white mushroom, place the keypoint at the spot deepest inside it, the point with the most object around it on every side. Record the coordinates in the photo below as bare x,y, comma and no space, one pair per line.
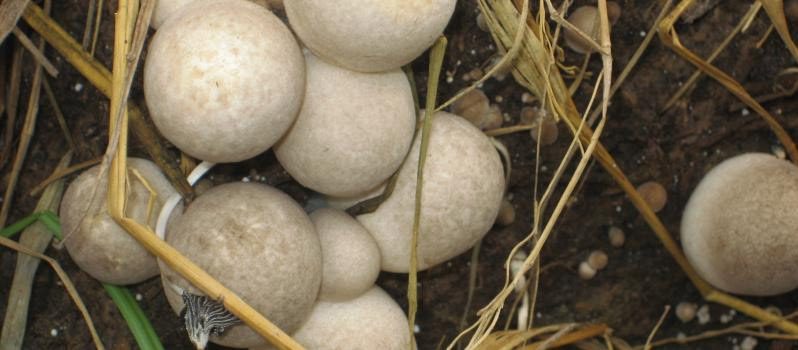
223,79
352,132
370,321
369,36
463,189
166,8
740,227
256,241
95,241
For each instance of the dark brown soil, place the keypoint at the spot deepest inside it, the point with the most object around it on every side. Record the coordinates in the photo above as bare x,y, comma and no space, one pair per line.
674,148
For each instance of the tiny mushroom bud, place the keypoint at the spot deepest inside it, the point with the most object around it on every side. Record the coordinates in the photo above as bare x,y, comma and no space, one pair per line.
739,225
546,133
472,106
586,18
369,36
223,79
654,194
586,271
506,213
597,260
616,236
685,311
493,119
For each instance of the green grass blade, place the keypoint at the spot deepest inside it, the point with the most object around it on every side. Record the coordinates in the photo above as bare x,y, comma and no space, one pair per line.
435,63
141,328
20,225
51,221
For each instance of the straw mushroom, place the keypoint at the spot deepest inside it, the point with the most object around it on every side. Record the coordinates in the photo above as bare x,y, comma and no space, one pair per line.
654,194
350,257
166,8
353,130
369,36
586,19
370,321
462,193
95,241
256,241
739,226
224,79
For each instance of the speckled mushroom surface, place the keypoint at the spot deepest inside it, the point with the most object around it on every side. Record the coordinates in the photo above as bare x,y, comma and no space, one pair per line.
256,241
353,131
366,35
463,189
97,243
740,227
223,79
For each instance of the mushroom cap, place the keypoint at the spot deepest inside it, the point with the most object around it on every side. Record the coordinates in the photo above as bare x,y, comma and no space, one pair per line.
98,244
350,257
463,190
166,8
369,36
224,79
586,19
352,132
370,321
740,226
256,241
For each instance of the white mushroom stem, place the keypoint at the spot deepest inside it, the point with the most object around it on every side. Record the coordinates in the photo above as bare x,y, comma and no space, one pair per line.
171,203
516,266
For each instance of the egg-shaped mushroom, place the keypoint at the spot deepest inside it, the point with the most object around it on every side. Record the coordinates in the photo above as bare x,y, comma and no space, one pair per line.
352,132
740,227
95,241
370,321
350,256
369,36
223,79
258,242
462,193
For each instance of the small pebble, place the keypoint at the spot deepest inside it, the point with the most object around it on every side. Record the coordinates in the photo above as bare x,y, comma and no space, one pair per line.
416,329
597,260
78,87
616,236
586,272
139,297
54,332
745,112
748,343
703,315
527,98
506,213
685,311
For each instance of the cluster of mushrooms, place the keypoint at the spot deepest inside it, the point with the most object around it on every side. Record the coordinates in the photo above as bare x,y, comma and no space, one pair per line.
226,80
